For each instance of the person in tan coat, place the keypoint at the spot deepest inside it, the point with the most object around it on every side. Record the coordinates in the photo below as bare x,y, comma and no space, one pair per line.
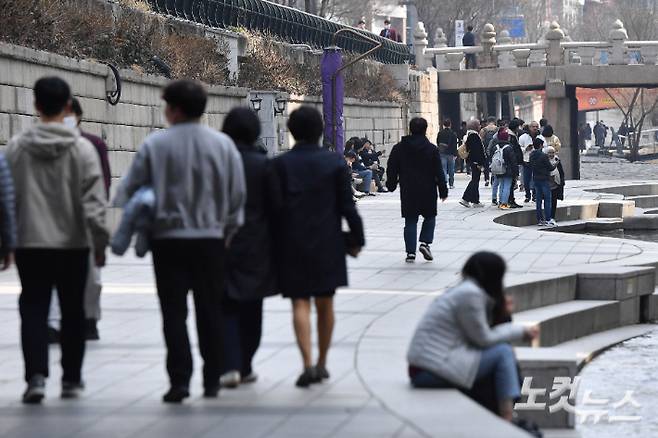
60,212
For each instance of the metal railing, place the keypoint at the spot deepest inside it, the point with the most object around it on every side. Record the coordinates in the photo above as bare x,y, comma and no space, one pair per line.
287,24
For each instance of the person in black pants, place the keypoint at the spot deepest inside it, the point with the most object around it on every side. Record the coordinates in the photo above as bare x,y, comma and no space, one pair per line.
60,210
250,263
476,161
198,181
311,245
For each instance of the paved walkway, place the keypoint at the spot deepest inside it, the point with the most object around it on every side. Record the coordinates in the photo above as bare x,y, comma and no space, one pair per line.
125,370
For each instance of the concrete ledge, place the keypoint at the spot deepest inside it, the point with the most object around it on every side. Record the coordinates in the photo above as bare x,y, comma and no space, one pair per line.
583,210
537,292
615,283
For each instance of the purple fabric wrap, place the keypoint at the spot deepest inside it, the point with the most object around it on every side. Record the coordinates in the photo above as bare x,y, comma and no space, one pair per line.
332,60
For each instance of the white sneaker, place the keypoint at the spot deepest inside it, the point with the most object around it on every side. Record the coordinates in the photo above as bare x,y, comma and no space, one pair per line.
230,379
465,203
542,224
478,205
552,223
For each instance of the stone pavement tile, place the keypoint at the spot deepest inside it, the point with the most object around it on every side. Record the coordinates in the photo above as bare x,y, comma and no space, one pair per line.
372,421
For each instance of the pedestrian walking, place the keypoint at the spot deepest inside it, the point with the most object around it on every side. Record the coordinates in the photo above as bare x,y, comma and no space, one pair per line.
311,245
94,286
526,142
541,171
415,164
468,40
556,182
454,344
487,135
503,167
60,211
447,143
476,161
250,269
198,179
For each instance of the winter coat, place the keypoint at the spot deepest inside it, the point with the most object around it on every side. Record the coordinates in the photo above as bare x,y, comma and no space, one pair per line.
250,266
7,209
468,39
369,157
137,218
447,142
101,149
541,165
454,330
60,197
475,148
555,185
511,165
317,195
415,164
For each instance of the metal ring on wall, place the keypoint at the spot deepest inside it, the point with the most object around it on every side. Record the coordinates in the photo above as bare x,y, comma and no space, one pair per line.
113,96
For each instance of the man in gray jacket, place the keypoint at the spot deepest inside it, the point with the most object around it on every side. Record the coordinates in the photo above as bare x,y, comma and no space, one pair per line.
198,179
60,211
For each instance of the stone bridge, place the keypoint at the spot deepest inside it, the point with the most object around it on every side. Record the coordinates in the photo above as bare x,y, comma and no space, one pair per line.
555,64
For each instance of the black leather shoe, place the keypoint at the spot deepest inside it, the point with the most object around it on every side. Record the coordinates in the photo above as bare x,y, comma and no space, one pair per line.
211,392
308,377
176,394
91,330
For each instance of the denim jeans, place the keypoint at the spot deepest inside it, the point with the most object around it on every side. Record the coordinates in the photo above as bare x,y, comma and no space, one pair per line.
505,185
411,231
527,181
497,362
494,188
367,179
543,193
448,162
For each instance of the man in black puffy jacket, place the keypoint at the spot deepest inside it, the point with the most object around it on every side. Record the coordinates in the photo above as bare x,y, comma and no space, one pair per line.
541,171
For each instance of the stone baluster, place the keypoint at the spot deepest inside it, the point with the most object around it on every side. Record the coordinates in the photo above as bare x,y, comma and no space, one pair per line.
617,37
586,55
649,55
488,58
521,57
505,58
420,44
455,60
440,41
555,52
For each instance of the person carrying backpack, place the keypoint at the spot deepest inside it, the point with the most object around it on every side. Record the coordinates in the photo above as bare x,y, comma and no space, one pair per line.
503,164
487,135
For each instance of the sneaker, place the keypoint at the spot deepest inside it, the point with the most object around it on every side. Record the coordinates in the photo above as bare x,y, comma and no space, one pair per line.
72,389
478,205
425,251
176,394
552,223
515,205
371,194
91,330
36,390
230,379
308,377
53,336
249,378
542,223
503,207
526,200
465,203
321,372
359,194
494,202
486,183
211,391
452,187
411,257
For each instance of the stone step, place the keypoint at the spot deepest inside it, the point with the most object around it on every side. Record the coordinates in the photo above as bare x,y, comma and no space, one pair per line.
649,307
531,291
563,322
644,201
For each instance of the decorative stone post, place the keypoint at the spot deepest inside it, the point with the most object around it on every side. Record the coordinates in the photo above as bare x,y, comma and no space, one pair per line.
488,58
586,55
505,57
649,55
455,60
521,57
554,53
617,37
420,44
440,41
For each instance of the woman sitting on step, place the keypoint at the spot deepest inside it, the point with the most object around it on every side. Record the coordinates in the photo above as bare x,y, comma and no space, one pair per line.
455,345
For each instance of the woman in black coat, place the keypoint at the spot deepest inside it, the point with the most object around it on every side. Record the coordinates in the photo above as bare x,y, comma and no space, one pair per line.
250,259
311,246
476,160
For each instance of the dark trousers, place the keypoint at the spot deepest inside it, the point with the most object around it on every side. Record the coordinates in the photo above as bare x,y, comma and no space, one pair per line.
472,192
527,180
411,232
182,265
511,191
471,61
543,194
554,193
41,270
243,324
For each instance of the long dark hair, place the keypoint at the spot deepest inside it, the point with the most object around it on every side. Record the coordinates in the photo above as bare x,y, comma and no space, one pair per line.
487,269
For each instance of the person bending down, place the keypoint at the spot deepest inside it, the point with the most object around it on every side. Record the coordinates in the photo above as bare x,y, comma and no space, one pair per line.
454,345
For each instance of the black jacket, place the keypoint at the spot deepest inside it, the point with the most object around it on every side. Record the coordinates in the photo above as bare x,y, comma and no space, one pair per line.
369,157
416,164
511,165
317,195
541,166
250,259
447,137
475,149
468,39
560,189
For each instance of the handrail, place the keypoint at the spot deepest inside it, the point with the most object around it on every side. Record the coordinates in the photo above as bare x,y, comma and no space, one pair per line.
287,24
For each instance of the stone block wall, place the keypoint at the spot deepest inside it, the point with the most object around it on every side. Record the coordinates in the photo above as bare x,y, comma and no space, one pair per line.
424,92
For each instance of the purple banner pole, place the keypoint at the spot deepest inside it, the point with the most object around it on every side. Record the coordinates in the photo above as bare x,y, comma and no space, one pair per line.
332,98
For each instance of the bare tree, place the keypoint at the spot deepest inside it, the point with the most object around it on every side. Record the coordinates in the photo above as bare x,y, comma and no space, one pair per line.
636,105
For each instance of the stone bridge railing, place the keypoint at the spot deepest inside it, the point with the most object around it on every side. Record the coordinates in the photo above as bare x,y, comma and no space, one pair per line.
555,48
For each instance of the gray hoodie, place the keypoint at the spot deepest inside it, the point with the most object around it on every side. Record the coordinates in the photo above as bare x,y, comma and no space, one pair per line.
60,197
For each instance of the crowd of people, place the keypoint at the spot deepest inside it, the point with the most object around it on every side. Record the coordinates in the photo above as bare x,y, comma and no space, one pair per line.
206,204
